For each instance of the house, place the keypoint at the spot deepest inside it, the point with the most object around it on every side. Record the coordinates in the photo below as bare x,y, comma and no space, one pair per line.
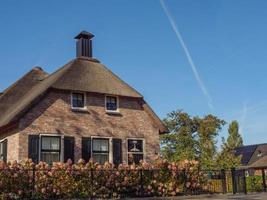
82,110
253,156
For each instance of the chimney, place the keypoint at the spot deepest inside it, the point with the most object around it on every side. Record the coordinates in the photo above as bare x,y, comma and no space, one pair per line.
84,44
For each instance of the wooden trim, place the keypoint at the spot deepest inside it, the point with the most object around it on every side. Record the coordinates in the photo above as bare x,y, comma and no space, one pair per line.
9,127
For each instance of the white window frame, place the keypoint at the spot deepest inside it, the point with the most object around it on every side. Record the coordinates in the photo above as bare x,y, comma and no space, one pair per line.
84,108
112,111
110,156
144,149
61,145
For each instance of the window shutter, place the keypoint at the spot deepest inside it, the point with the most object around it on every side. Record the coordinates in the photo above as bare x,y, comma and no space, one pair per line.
34,148
86,148
117,151
68,148
5,150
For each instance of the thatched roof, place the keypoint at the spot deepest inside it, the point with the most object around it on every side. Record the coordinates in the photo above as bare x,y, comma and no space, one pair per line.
80,74
89,75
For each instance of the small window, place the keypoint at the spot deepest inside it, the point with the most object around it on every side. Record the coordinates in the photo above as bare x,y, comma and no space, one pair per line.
100,150
50,149
135,150
78,100
3,150
111,103
259,154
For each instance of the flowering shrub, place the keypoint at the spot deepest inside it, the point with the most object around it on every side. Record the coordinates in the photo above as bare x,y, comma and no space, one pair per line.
67,180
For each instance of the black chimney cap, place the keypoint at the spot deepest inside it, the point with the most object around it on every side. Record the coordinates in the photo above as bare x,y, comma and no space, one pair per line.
84,34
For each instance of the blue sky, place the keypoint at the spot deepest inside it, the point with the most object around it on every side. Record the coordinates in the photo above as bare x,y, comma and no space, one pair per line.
135,39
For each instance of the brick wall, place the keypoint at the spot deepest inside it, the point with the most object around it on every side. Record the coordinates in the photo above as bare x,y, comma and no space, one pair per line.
53,115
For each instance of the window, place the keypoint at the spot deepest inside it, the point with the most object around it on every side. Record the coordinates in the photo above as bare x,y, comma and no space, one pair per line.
100,150
3,150
259,154
135,150
50,149
111,103
78,100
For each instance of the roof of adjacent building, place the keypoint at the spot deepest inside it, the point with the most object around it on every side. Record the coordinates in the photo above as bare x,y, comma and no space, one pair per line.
260,163
246,152
81,74
250,153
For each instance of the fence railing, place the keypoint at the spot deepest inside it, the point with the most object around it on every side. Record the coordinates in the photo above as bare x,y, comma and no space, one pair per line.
92,183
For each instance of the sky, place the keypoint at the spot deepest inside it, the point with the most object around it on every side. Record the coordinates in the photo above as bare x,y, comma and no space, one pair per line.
204,57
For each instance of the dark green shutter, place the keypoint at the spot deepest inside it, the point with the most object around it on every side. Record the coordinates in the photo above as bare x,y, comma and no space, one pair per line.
86,148
5,150
117,151
68,148
34,148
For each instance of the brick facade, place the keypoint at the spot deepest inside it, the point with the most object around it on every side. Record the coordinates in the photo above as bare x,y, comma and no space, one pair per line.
53,115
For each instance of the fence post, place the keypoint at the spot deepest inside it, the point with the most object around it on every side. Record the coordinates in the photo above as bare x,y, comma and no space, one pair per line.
33,182
244,181
141,183
185,180
263,180
92,182
233,174
223,177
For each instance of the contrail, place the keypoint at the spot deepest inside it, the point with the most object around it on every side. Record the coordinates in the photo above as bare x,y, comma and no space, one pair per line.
188,55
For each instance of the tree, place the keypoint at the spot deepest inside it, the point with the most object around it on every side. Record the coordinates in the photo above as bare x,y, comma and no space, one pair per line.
191,138
227,158
180,143
208,128
234,139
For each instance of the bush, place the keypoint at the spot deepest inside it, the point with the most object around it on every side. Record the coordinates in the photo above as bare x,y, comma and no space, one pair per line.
67,180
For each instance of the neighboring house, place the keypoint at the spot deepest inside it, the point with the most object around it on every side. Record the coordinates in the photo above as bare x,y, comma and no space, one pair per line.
253,156
82,110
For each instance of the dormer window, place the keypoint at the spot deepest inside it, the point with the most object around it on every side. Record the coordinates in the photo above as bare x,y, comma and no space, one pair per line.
112,104
259,154
78,100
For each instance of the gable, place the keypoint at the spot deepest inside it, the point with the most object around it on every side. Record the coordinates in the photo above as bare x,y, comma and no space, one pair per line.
260,148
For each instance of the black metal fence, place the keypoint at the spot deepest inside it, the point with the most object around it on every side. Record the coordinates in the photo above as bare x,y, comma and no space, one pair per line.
76,183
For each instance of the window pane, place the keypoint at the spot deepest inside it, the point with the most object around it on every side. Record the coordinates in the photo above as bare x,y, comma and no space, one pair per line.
135,158
1,151
1,148
55,143
135,146
50,157
50,143
45,143
101,145
100,158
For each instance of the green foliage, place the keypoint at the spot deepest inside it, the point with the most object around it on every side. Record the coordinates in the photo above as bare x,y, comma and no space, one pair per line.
254,183
191,138
226,158
234,139
208,129
180,144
